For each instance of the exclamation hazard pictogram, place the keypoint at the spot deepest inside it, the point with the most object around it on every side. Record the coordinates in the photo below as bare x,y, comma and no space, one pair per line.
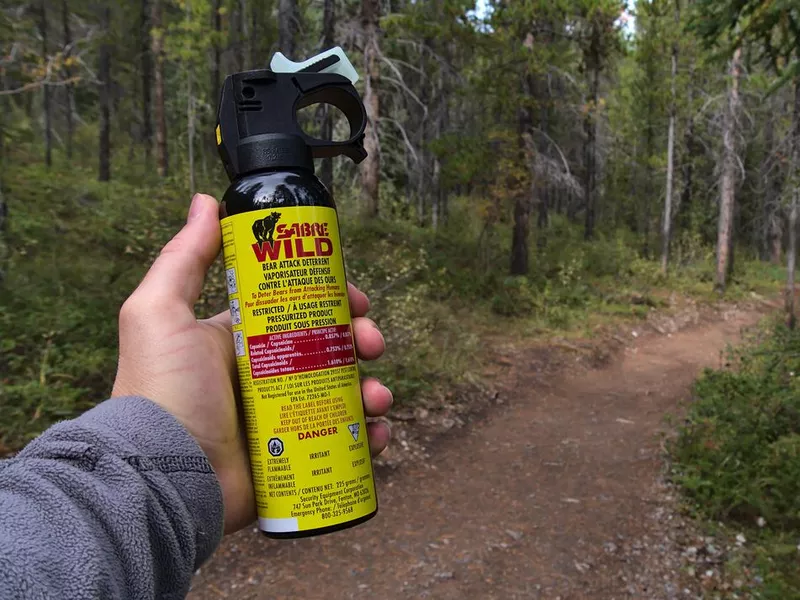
354,429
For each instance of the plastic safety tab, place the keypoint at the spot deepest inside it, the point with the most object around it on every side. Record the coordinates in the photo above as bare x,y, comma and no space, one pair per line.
331,61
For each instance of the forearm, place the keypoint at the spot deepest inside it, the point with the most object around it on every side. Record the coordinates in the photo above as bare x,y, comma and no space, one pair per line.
119,503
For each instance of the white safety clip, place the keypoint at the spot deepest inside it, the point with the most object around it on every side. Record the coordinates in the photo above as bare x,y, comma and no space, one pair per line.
330,61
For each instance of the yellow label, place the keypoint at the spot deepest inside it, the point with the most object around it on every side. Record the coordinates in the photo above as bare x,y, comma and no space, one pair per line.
298,373
219,135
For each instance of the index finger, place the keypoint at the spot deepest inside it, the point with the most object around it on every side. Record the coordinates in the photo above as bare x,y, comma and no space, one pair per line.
359,303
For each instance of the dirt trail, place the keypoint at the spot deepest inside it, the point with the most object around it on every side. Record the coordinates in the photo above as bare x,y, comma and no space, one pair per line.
547,496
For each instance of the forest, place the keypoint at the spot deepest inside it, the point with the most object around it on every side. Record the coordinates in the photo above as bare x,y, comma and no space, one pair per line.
551,161
537,170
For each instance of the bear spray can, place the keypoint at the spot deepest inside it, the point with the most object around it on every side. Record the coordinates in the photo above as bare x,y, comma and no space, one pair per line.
296,356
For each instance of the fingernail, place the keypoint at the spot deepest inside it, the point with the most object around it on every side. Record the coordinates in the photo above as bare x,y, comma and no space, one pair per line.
194,208
391,395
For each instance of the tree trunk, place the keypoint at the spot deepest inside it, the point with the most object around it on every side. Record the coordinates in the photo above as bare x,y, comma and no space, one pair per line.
519,238
68,91
435,196
104,73
794,182
328,41
244,36
542,217
685,207
728,179
190,121
777,221
254,38
648,182
590,125
147,82
776,248
4,103
288,26
371,167
217,53
162,151
48,121
772,234
3,219
544,98
237,40
666,231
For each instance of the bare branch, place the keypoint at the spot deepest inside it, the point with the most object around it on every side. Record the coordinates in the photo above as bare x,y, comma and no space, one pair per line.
556,146
402,130
408,65
33,85
408,91
545,168
425,48
400,82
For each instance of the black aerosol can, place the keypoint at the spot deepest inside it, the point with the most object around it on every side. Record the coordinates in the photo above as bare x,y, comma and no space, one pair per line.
298,372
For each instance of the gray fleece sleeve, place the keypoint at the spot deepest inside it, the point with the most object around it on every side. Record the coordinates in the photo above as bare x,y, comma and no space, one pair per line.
118,503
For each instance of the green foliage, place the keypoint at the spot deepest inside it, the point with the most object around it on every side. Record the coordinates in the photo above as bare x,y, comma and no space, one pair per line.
428,348
738,455
76,250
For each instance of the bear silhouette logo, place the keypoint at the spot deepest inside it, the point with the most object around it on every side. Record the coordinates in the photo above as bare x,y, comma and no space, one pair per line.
264,228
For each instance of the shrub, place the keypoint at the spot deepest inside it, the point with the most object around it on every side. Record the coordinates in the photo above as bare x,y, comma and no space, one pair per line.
738,455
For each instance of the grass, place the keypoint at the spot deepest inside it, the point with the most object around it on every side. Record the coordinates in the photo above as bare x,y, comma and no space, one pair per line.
76,249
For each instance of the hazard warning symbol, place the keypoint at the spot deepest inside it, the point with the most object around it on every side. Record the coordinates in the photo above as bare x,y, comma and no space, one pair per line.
275,446
354,428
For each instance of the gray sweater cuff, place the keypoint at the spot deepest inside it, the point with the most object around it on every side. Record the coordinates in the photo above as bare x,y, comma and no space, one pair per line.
163,447
118,503
159,448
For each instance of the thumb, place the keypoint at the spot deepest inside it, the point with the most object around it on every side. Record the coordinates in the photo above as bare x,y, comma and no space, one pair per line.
178,273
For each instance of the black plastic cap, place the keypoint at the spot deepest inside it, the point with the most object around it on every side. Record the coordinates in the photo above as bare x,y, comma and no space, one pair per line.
273,150
258,127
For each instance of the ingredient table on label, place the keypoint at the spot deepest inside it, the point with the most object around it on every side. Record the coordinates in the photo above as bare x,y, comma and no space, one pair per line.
300,351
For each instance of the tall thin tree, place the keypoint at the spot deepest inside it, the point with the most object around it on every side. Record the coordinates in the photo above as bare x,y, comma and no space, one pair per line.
146,58
691,149
794,185
288,26
371,167
593,60
727,197
68,89
216,50
244,35
158,33
104,73
190,113
48,117
254,36
666,231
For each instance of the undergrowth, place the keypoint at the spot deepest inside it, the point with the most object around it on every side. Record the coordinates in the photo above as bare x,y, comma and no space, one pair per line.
76,248
738,456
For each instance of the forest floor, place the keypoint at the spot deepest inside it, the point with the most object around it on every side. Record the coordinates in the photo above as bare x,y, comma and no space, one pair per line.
551,485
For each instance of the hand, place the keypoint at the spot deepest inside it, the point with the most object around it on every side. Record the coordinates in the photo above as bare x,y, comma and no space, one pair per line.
188,367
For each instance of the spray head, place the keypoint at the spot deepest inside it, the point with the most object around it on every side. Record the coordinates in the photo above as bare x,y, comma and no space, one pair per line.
257,126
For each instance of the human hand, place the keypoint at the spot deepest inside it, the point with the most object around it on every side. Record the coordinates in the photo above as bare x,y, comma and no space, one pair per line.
188,366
